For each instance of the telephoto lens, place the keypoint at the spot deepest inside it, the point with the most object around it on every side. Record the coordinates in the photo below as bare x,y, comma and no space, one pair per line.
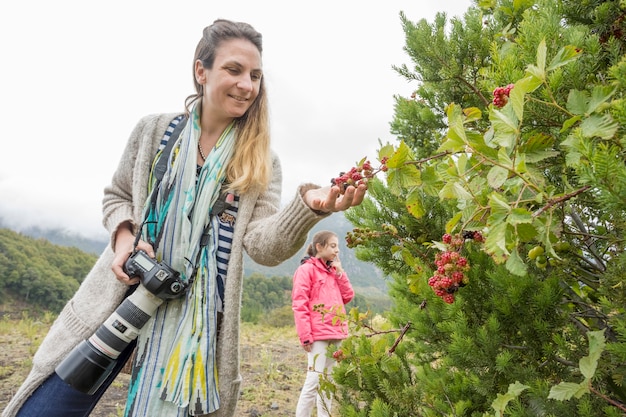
90,363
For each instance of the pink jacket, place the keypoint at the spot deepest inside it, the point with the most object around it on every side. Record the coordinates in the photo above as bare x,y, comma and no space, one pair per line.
314,283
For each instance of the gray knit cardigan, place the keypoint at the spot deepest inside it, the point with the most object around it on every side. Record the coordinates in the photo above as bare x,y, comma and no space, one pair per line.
268,233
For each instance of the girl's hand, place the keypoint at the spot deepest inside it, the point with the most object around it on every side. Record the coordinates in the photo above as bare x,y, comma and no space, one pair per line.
337,264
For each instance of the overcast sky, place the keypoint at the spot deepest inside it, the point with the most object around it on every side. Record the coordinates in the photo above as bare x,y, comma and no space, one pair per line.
77,75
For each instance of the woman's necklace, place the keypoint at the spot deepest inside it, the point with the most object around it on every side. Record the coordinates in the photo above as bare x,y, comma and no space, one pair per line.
202,155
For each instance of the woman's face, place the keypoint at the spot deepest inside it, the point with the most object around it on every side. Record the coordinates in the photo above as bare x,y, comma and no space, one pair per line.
330,251
233,83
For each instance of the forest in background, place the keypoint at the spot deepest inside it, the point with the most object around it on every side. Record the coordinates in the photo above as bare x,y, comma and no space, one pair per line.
43,275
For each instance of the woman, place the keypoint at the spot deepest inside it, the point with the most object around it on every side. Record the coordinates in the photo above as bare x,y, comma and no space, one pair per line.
321,288
187,360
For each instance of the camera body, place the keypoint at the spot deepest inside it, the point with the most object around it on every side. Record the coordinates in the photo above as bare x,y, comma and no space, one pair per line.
158,278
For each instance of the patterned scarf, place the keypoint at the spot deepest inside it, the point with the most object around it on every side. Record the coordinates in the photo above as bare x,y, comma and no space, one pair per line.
186,331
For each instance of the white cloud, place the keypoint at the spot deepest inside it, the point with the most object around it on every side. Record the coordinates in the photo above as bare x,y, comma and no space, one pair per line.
76,76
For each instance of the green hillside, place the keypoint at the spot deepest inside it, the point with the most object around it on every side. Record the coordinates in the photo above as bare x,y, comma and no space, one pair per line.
42,269
39,273
364,276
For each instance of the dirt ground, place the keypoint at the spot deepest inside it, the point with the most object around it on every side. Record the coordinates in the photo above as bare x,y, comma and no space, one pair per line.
273,369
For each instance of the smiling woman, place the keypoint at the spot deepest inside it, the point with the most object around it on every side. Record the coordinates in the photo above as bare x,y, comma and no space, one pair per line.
190,221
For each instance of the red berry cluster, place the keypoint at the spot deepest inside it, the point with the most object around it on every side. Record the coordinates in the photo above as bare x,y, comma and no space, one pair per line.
452,266
339,355
501,95
358,175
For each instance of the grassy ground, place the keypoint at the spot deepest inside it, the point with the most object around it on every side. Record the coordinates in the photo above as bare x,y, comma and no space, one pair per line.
273,366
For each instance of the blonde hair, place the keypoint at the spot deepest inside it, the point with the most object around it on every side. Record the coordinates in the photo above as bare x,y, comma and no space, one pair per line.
250,167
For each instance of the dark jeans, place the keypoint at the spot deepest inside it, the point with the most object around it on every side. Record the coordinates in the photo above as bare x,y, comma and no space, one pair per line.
55,398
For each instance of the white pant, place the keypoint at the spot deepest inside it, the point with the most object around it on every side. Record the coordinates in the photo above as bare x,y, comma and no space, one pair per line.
318,363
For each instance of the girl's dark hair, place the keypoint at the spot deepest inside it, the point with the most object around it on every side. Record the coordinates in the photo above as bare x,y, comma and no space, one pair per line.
320,238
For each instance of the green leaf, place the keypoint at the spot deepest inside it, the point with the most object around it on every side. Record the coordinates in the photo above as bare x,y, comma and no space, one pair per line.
528,84
414,203
603,126
461,164
410,176
597,343
599,95
526,232
498,203
516,265
538,147
405,177
504,159
536,72
385,152
516,99
505,121
518,93
564,56
518,216
495,243
430,181
570,122
577,102
451,224
413,281
477,142
472,114
566,390
588,364
455,137
497,176
539,71
452,190
502,400
504,126
400,156
520,166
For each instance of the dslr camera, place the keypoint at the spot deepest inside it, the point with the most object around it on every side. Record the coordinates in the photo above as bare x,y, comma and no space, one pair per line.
158,277
89,364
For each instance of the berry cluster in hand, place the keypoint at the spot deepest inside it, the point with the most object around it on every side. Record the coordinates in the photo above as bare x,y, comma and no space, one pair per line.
501,95
358,175
452,266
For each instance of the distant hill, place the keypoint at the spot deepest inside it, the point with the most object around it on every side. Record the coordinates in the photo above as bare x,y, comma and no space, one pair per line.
366,278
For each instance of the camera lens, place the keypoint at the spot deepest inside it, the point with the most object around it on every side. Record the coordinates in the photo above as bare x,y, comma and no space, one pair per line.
88,365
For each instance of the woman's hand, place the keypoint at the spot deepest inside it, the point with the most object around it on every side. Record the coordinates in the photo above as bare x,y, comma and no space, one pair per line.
329,199
124,246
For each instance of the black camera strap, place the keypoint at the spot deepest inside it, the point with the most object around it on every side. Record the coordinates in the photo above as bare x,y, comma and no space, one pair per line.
220,205
161,165
159,170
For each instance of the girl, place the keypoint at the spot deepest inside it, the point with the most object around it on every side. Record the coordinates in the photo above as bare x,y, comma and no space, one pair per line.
321,288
